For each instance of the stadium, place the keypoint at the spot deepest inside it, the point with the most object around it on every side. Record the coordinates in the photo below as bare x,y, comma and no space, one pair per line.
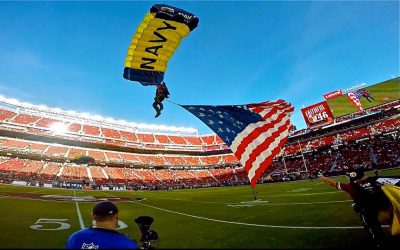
56,164
52,148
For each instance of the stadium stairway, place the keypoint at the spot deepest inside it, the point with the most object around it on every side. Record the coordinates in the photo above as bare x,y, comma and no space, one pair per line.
43,168
61,170
158,178
89,174
104,172
212,176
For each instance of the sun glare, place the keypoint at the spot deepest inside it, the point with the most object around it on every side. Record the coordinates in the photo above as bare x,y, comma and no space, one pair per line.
59,128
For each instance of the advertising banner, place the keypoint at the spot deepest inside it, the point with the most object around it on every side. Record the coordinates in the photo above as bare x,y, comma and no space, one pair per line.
317,113
333,94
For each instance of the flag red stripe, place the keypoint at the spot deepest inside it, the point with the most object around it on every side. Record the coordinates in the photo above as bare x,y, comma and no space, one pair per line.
267,162
264,146
254,134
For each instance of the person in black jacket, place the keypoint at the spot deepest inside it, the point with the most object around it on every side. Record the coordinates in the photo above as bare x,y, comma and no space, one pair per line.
368,200
161,93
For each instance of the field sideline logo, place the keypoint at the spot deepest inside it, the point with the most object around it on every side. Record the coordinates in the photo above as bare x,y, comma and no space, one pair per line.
247,203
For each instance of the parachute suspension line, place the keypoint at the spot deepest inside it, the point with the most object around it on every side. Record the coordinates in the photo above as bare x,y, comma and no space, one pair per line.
173,102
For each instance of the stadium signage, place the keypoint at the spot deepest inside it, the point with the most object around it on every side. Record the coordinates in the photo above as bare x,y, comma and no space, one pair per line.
333,94
317,113
340,92
351,89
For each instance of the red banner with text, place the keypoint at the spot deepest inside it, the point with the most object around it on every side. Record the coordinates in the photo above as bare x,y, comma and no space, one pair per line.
317,113
333,94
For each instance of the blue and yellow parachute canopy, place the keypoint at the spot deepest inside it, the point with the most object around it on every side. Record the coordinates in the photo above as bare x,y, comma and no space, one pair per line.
155,41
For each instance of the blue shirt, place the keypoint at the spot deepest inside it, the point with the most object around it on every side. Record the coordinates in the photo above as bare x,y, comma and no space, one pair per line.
99,238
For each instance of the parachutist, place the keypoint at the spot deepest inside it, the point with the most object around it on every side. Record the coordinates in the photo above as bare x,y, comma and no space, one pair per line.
161,93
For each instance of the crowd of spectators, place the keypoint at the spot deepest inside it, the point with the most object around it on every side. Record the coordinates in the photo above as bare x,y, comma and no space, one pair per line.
371,141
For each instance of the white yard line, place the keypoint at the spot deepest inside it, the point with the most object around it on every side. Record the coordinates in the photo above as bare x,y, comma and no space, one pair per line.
300,194
242,223
78,211
267,203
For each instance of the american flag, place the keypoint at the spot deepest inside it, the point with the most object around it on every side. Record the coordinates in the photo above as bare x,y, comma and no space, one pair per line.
254,132
354,98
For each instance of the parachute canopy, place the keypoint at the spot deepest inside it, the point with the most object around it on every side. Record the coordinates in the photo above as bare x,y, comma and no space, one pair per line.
155,41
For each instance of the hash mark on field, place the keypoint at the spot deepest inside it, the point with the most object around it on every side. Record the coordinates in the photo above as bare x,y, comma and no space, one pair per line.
244,224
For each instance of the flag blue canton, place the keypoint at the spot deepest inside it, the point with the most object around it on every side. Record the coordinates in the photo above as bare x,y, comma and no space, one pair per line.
225,121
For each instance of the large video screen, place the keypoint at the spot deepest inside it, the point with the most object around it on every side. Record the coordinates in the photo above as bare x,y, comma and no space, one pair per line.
366,97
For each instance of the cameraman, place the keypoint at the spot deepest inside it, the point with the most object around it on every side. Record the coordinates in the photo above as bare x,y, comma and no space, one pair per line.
103,234
368,200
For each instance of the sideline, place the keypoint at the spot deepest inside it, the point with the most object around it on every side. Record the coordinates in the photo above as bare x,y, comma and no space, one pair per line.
242,223
78,211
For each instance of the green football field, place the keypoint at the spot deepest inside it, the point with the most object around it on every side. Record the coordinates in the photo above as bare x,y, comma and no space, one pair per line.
299,214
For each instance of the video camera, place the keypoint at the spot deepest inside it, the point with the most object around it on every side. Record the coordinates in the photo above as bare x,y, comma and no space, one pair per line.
149,236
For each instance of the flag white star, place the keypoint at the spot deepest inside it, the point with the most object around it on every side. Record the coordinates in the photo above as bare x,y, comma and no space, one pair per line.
202,114
210,122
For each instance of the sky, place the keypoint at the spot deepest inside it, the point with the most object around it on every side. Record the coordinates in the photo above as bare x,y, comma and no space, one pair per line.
70,55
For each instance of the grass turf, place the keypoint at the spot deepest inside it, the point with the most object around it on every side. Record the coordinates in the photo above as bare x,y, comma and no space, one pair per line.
224,217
